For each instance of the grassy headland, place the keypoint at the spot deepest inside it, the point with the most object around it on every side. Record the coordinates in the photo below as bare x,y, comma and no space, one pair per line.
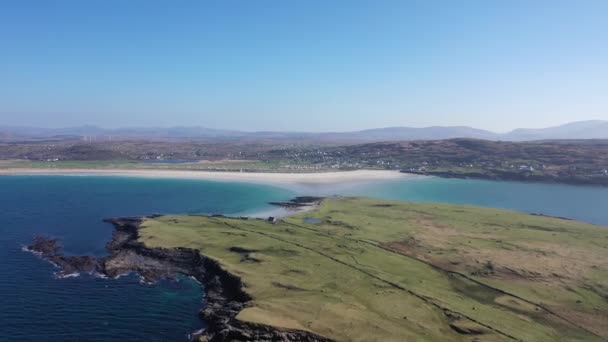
364,269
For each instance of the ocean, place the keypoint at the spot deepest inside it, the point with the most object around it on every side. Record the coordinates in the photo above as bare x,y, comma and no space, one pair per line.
37,306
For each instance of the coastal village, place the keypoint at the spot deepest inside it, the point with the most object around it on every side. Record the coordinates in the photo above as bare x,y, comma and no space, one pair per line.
463,158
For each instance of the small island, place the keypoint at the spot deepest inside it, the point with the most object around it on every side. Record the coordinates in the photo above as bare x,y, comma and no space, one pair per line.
358,269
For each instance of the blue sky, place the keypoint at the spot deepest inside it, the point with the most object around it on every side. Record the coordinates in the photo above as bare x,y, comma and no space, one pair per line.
325,65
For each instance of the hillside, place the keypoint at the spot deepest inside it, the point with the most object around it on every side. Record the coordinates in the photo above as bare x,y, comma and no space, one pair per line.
592,129
565,161
363,269
573,162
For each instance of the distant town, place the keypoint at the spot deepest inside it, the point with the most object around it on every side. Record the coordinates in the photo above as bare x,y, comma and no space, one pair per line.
562,161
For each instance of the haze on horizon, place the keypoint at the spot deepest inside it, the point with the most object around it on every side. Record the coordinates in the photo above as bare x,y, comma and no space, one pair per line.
303,66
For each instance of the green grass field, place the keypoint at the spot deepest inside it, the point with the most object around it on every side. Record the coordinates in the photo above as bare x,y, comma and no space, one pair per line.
395,271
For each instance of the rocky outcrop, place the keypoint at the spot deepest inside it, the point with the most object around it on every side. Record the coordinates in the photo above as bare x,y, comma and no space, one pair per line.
299,202
225,292
49,249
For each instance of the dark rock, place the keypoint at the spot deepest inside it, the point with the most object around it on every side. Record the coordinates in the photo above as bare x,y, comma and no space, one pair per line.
50,249
225,294
463,330
299,202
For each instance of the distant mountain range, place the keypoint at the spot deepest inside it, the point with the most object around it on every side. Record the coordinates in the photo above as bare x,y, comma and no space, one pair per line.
594,129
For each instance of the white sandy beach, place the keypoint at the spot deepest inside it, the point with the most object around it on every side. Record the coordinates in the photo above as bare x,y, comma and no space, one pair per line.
311,179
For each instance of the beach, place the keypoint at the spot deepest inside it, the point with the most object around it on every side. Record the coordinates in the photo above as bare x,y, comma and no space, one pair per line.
307,179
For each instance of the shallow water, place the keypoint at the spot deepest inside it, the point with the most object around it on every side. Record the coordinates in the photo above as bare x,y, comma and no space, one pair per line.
311,220
37,307
585,203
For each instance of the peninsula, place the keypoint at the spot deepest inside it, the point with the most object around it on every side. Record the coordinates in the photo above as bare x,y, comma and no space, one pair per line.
357,269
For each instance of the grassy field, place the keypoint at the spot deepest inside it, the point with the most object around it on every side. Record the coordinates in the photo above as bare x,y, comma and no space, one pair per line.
363,269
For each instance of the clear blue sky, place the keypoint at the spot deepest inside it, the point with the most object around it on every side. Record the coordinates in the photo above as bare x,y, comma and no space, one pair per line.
303,65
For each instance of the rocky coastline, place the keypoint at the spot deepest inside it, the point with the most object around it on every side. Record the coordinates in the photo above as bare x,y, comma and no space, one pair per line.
225,294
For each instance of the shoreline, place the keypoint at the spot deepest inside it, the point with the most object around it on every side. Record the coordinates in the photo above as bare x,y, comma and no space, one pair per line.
225,292
303,179
515,177
298,181
226,288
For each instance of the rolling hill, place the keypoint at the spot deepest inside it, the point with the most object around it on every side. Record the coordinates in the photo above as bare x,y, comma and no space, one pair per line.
593,129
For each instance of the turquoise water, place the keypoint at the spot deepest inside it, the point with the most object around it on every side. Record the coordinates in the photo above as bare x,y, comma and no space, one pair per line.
35,306
583,203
